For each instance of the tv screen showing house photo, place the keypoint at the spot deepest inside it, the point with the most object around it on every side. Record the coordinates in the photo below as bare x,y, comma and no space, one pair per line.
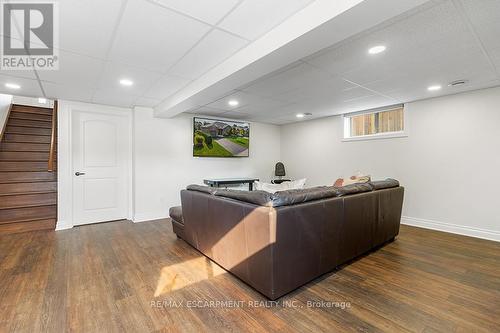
220,138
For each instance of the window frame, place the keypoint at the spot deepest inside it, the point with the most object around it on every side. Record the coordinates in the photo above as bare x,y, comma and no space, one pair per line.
385,135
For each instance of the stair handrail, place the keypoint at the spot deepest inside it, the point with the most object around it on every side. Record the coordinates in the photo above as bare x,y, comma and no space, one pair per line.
52,151
5,123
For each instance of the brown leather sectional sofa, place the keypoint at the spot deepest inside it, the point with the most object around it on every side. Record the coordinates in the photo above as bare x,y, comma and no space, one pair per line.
278,242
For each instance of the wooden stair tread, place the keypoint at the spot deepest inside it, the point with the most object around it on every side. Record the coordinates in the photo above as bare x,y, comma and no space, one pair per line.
33,225
26,138
14,215
28,187
28,123
28,200
22,181
30,116
23,156
26,176
23,166
7,194
16,146
28,130
18,107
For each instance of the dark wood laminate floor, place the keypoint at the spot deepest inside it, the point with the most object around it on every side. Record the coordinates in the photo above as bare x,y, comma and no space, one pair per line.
121,276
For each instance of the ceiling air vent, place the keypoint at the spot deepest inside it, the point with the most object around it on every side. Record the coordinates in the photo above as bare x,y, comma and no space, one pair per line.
458,83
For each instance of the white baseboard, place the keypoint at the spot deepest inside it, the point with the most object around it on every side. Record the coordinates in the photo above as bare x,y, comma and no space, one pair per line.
63,225
144,217
451,228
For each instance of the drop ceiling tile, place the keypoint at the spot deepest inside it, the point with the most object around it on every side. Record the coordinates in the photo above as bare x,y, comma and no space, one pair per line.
244,99
68,92
236,115
254,110
152,37
495,57
254,18
208,111
335,86
166,86
428,26
114,72
482,12
86,27
208,11
415,84
485,19
107,97
74,69
363,103
27,74
216,47
299,76
28,87
147,102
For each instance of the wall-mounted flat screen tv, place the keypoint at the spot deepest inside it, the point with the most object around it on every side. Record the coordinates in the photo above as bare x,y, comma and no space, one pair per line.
220,138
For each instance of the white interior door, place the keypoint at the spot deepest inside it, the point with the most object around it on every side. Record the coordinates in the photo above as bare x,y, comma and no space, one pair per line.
100,167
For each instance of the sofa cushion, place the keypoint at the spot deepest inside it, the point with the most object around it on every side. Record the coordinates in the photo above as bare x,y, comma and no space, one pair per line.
356,179
293,197
201,188
381,184
176,214
261,198
285,186
353,189
271,188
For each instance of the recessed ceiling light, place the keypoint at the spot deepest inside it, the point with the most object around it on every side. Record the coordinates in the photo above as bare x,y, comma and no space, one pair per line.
300,115
42,100
126,82
377,49
434,88
12,86
233,102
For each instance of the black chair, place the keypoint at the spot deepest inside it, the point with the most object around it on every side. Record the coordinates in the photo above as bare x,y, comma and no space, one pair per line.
279,171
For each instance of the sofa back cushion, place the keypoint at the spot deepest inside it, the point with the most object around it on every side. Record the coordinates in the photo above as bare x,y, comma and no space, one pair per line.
201,188
353,189
382,184
260,198
293,197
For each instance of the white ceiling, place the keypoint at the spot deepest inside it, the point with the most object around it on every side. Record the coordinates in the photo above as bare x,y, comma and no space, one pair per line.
436,43
162,45
166,45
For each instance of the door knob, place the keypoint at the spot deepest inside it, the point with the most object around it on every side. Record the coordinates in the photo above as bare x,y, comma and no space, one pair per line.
79,173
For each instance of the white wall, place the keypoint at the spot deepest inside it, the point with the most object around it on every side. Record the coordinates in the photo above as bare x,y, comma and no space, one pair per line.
5,101
32,101
164,162
449,163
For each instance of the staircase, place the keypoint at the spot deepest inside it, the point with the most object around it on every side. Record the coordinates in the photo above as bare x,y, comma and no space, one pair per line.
28,179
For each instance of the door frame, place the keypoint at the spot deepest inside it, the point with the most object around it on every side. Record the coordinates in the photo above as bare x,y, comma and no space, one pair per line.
65,217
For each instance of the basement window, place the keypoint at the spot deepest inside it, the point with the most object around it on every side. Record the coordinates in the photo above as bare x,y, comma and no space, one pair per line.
387,122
